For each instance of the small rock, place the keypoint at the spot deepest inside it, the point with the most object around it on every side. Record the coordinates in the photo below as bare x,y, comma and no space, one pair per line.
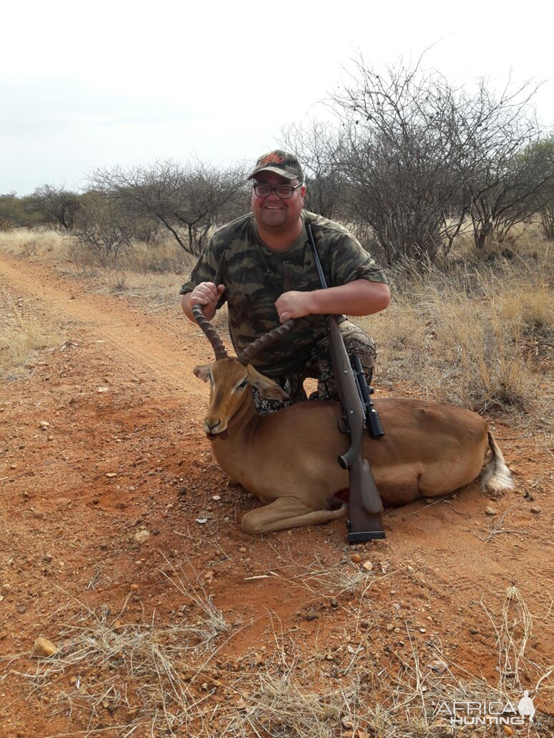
334,603
473,631
22,609
43,648
134,587
535,510
311,615
356,558
101,390
142,535
47,558
242,549
110,475
508,730
240,704
439,666
368,566
216,498
422,630
44,424
201,521
490,511
428,500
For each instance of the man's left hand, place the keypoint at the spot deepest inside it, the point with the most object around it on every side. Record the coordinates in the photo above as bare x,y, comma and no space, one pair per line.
293,304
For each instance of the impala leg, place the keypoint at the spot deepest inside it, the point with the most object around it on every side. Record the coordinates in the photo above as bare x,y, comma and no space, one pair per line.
287,512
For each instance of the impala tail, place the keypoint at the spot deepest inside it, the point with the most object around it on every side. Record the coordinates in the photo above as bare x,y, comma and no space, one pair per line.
496,475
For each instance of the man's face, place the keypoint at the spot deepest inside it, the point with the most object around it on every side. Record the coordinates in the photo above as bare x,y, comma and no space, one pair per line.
272,212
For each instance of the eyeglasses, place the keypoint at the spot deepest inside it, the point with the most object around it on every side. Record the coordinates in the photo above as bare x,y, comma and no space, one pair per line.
283,192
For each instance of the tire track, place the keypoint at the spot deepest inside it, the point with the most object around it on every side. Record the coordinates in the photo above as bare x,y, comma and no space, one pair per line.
135,339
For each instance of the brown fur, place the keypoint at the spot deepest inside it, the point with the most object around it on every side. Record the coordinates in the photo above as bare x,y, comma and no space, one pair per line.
289,459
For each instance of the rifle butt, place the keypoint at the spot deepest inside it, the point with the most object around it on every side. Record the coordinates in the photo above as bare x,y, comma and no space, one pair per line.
365,508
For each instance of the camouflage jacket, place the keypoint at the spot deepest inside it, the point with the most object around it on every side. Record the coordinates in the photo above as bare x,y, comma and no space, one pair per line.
256,277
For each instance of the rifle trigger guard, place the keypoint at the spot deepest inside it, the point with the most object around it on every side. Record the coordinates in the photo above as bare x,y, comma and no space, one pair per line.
343,425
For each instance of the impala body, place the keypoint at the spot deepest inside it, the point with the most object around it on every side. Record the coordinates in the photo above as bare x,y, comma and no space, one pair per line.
289,458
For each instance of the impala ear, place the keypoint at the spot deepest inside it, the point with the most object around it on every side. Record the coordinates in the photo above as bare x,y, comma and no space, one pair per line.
267,388
202,372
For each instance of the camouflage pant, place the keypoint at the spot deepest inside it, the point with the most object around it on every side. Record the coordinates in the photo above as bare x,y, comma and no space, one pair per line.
319,367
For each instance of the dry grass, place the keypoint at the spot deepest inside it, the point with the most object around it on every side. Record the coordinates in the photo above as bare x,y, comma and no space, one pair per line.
21,336
138,676
165,257
40,243
472,334
143,679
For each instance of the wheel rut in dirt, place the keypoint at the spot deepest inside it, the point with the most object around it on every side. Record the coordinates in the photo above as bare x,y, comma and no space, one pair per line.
133,338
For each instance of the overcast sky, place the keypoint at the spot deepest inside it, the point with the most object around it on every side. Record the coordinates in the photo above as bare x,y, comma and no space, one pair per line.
85,85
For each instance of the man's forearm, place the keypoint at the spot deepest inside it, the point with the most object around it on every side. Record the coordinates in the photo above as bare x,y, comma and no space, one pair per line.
355,298
360,297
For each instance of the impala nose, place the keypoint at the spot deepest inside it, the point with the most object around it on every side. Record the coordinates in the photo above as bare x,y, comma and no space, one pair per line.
211,426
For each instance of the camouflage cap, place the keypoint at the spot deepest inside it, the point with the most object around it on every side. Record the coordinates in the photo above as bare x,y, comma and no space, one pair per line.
279,162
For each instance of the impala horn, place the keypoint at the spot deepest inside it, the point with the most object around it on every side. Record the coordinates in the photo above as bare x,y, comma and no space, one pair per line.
246,356
204,324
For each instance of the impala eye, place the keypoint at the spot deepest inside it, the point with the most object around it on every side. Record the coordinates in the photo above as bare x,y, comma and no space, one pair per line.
242,385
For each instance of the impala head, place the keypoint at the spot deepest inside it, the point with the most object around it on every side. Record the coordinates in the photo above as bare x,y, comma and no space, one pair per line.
230,383
231,379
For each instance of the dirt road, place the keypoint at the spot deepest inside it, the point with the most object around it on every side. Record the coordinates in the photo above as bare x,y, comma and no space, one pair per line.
108,487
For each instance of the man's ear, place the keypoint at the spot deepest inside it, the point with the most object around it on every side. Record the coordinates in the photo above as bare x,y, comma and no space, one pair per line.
267,388
202,372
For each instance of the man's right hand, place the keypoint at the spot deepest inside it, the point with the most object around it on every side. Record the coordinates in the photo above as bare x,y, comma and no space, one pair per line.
205,294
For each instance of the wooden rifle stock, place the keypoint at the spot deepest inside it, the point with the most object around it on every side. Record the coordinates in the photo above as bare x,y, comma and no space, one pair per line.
364,506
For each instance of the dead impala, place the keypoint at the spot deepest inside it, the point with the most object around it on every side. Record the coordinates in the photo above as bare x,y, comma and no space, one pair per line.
288,459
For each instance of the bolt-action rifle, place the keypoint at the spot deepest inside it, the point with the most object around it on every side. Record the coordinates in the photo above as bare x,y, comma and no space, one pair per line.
364,506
